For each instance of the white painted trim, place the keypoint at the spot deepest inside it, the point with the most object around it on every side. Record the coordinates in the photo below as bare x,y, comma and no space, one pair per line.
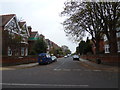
9,21
15,22
55,85
36,34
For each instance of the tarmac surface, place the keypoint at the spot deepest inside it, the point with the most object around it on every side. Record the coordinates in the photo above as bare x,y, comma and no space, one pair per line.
85,63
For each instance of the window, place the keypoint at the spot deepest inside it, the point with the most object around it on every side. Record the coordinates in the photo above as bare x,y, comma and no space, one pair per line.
26,52
107,49
9,51
118,43
105,38
22,51
118,34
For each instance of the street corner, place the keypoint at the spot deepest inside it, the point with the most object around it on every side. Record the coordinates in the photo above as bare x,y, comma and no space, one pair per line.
94,66
23,66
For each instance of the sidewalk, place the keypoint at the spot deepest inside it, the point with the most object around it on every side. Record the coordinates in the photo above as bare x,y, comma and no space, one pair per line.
93,65
19,66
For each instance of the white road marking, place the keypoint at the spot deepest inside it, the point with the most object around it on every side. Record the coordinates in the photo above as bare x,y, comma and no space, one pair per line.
66,69
78,70
57,69
97,70
60,65
60,85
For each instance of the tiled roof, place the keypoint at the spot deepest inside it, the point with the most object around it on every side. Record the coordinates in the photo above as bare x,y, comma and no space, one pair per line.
5,19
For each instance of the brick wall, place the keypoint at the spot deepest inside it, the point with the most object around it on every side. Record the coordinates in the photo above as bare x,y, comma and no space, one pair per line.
105,58
8,61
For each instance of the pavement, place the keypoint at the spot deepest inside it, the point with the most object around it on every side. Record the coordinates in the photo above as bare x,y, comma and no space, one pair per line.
102,67
19,66
83,62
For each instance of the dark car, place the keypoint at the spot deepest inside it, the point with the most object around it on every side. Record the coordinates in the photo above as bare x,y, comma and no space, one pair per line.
44,58
75,57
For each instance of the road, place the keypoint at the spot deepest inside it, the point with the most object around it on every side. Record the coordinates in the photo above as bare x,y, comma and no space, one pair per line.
65,73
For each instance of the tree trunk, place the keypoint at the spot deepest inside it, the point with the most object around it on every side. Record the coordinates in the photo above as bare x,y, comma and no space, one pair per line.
97,46
113,42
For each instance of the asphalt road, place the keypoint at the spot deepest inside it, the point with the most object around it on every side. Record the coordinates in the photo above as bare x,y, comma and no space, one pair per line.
65,73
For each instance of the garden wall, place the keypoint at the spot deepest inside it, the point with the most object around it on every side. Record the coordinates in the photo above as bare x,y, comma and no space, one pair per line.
8,61
105,58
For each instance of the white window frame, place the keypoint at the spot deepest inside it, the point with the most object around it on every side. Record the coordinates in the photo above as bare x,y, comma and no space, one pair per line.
118,44
107,48
9,51
22,51
118,34
26,51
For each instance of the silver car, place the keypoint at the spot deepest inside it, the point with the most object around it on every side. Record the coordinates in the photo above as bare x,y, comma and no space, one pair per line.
75,57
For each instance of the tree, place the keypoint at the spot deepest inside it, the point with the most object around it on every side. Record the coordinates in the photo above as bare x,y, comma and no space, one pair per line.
110,17
82,47
40,46
85,47
96,18
14,42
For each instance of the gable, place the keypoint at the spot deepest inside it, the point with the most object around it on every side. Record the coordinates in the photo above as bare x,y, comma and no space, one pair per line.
6,18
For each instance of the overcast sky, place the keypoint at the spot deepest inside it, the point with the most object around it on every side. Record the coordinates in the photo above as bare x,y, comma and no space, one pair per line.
42,15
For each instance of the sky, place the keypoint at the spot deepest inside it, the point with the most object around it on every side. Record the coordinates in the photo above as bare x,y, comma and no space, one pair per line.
43,16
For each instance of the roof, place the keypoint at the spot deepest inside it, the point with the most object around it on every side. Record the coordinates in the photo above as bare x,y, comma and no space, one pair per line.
21,23
6,18
33,34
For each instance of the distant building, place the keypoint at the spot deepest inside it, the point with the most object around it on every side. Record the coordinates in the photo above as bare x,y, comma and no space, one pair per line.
64,48
51,45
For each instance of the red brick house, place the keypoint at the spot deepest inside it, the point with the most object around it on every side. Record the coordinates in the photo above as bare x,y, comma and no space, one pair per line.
101,47
12,36
106,46
24,40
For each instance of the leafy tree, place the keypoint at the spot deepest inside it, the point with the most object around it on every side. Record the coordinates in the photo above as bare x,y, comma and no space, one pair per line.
14,42
40,46
84,47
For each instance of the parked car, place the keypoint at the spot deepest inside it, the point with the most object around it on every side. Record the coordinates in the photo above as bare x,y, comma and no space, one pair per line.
65,56
44,58
54,58
75,57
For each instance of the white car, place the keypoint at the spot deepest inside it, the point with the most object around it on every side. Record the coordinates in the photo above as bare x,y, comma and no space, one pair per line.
65,56
75,57
54,58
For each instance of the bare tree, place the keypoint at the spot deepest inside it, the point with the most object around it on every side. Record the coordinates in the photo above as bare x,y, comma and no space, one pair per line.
96,18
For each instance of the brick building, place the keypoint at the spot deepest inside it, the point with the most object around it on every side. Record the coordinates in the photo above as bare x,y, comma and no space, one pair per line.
12,36
106,46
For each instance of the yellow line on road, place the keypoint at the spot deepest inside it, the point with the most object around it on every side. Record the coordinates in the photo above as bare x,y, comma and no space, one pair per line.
3,68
